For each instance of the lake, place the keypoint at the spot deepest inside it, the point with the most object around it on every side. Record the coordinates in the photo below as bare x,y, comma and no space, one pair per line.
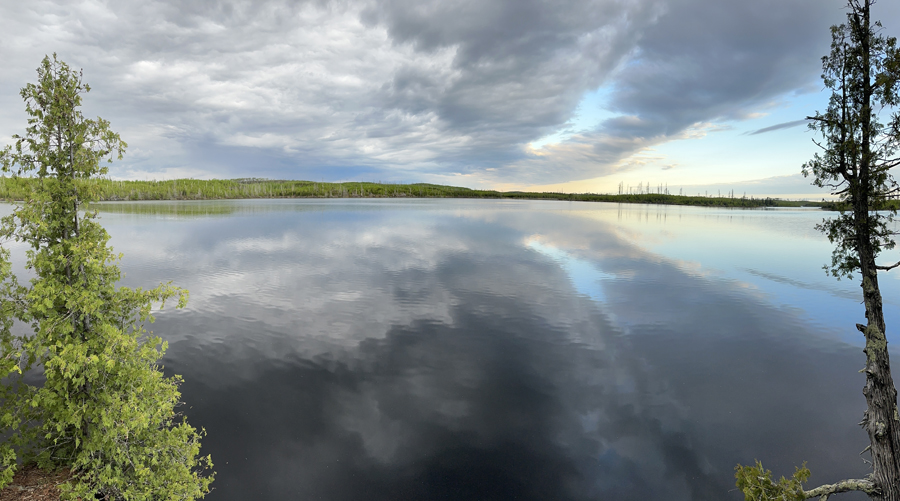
386,349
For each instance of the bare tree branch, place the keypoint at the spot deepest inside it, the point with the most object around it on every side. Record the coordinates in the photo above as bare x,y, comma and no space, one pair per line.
888,268
822,492
822,119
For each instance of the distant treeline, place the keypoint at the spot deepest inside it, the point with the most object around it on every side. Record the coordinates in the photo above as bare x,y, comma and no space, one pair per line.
15,188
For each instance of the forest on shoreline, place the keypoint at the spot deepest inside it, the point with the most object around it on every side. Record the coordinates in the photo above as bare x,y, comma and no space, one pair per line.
15,188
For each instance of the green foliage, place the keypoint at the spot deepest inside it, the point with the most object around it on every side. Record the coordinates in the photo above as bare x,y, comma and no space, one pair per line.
105,410
862,72
757,485
16,188
9,364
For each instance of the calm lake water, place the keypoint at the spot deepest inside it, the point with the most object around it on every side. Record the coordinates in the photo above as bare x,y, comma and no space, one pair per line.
461,349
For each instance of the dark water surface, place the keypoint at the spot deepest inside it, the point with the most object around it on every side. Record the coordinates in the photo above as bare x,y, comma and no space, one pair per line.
454,349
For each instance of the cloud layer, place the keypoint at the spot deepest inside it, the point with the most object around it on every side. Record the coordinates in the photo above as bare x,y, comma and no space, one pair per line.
412,90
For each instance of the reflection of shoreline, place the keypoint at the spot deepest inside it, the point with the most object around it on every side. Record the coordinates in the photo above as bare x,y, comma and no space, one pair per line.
211,208
251,206
239,206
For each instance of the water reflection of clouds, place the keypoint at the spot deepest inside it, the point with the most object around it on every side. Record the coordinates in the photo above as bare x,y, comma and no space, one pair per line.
723,244
322,271
586,278
423,355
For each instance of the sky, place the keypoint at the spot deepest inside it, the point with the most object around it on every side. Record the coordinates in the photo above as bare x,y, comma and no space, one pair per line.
699,96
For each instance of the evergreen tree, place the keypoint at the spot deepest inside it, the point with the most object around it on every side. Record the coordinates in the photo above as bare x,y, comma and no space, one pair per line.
105,410
858,153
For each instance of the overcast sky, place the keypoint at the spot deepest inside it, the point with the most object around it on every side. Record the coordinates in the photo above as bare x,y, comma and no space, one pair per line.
576,95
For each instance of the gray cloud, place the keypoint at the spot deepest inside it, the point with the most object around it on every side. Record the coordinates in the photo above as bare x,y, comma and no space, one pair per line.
784,125
518,65
712,61
407,90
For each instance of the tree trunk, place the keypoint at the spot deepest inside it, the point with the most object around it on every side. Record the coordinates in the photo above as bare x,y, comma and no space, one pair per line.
880,420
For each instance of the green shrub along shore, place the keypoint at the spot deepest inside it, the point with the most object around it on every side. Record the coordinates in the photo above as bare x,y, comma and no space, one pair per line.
14,188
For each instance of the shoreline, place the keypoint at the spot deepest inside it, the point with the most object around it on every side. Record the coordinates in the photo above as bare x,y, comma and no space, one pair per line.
106,190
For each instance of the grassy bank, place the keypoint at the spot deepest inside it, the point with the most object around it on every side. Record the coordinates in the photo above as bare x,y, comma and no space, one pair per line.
218,189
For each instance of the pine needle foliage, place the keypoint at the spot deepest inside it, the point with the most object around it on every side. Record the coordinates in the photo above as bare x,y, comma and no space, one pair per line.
105,409
757,485
858,148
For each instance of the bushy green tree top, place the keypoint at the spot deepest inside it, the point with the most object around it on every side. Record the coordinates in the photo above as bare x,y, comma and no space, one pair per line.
105,409
858,145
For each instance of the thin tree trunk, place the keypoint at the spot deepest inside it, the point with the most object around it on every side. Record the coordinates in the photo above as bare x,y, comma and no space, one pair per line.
880,420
